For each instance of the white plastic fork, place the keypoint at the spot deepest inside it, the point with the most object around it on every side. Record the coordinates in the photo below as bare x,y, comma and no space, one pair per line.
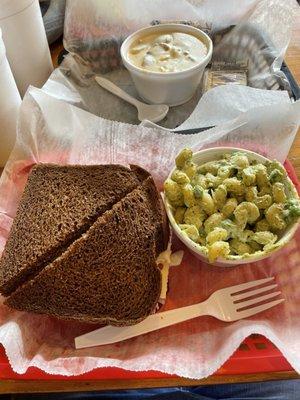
225,304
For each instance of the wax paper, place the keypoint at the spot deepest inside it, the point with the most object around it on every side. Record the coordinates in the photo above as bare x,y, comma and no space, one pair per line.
52,130
216,106
88,23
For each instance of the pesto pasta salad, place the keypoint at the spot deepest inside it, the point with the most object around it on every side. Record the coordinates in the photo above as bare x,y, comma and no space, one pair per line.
232,206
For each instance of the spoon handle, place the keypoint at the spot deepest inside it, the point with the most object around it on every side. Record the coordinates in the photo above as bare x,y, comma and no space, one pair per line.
111,87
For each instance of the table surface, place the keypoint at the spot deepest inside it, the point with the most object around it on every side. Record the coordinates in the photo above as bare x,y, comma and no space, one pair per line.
292,59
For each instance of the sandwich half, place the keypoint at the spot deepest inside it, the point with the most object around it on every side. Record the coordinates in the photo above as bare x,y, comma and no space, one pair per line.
104,271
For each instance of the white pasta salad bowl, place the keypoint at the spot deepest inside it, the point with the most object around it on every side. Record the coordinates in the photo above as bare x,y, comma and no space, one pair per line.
231,206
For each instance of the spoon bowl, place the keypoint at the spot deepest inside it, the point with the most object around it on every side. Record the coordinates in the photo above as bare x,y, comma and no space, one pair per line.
151,112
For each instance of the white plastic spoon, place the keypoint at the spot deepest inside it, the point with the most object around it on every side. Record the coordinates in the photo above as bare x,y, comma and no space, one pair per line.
153,113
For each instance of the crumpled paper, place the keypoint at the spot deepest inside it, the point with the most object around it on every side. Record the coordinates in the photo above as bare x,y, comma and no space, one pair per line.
224,103
86,24
218,105
51,130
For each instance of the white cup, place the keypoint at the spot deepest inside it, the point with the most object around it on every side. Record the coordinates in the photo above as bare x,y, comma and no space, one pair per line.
10,101
26,42
171,88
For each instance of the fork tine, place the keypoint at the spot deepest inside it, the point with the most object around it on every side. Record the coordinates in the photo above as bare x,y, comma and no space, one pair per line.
243,304
252,292
258,309
248,285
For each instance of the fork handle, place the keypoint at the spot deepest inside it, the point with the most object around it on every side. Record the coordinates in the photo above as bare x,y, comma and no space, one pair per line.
114,334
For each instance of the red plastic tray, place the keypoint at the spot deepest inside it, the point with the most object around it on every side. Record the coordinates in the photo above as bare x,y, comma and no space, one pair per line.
255,355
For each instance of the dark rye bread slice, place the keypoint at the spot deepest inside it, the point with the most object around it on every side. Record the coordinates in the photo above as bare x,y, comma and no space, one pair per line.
109,274
59,203
163,233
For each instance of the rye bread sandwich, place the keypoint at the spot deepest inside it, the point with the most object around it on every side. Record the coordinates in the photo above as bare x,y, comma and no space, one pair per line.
84,243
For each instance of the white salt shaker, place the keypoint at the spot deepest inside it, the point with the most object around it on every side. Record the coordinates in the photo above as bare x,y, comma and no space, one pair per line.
10,101
26,42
